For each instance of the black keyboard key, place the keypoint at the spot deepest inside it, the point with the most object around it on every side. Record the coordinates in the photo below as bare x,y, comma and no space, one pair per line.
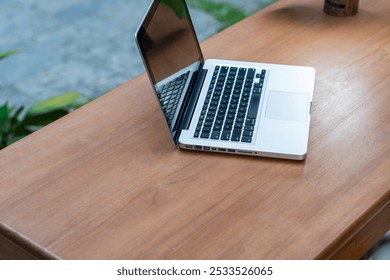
236,135
253,106
249,128
221,117
246,139
217,127
215,135
247,133
232,111
236,96
205,135
230,116
228,127
223,106
224,69
238,126
222,112
225,135
225,101
250,122
251,73
196,134
219,122
240,115
243,103
248,84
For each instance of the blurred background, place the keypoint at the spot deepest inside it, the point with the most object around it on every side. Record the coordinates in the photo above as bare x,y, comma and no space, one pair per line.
86,46
57,55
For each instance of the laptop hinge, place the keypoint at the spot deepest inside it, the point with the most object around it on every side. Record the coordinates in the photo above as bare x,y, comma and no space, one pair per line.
196,85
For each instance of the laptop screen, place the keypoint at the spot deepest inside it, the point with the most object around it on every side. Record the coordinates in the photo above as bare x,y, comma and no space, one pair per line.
171,53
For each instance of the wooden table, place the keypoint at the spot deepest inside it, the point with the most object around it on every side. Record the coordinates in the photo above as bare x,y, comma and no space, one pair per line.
106,182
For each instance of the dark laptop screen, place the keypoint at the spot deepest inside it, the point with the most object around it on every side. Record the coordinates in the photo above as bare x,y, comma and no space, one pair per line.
171,53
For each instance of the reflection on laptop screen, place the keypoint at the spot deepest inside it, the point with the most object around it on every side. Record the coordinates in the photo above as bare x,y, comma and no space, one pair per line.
171,53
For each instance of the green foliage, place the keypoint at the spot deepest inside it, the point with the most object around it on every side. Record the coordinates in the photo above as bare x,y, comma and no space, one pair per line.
8,53
226,13
16,124
55,103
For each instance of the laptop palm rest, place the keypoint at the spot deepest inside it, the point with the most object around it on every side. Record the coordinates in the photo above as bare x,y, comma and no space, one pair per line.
287,106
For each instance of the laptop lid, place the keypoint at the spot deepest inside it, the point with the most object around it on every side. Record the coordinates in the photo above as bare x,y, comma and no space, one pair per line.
167,42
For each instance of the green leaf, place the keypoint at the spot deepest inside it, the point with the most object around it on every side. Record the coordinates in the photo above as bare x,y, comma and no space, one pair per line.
43,118
4,116
54,103
16,138
4,111
8,53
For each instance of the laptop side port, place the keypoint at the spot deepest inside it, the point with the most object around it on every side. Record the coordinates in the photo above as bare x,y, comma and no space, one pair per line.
189,146
206,148
244,152
231,151
198,148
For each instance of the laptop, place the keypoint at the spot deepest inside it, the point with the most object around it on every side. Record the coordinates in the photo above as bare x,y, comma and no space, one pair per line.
227,106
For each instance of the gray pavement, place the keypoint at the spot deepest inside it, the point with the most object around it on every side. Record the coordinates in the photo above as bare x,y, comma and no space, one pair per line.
75,45
85,46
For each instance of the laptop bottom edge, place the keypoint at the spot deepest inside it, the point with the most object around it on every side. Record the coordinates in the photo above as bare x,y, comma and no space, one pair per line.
242,152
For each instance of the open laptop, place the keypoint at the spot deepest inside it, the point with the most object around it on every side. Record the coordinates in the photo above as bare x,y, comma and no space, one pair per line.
224,106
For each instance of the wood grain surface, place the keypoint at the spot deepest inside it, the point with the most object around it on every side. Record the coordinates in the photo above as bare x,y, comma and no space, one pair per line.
106,181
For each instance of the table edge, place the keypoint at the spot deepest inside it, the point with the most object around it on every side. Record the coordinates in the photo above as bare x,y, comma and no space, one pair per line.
24,245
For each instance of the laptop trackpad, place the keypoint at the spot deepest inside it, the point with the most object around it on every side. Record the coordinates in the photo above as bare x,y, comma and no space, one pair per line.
287,106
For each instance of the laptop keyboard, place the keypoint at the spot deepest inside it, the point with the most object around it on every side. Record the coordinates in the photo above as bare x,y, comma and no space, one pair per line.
230,109
170,94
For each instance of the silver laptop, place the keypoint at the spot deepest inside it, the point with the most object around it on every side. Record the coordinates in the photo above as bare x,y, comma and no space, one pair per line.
224,106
